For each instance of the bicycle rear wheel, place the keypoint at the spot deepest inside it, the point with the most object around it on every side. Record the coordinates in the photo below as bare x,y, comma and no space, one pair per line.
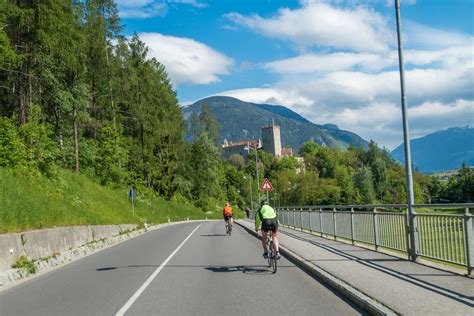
270,249
229,228
274,262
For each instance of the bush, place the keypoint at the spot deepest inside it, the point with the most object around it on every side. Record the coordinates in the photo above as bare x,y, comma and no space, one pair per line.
23,263
42,152
12,149
207,204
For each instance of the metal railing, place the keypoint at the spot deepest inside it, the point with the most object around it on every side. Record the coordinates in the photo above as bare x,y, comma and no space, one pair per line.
438,236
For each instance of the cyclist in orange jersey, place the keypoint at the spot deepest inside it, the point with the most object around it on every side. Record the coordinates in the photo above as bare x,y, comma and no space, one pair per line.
227,213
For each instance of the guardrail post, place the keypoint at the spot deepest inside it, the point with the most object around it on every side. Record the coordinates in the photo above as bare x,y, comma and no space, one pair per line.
334,219
469,240
352,226
321,220
294,219
415,251
407,233
376,230
309,215
301,218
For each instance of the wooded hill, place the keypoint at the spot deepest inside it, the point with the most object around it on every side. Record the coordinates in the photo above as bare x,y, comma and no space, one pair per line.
241,120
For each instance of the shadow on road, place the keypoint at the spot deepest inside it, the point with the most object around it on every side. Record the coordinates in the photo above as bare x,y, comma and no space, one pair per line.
214,235
255,270
247,269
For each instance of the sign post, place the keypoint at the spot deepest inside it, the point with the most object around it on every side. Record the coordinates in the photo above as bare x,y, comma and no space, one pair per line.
132,195
266,186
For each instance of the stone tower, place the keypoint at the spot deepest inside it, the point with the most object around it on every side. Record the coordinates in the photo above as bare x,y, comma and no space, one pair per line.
271,139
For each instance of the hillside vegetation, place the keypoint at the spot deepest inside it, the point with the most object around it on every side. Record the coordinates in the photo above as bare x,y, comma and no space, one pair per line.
77,95
34,202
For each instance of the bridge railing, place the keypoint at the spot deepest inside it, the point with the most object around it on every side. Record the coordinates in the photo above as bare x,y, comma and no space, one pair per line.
439,235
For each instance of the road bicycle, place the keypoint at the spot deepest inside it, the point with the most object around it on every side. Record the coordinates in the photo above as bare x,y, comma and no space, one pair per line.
272,260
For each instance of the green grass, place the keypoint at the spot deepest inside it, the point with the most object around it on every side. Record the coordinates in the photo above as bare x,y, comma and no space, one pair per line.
34,202
23,263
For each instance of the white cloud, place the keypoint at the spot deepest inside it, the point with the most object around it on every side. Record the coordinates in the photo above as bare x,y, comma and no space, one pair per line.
426,37
339,90
267,95
383,121
447,57
358,88
320,24
144,9
187,60
134,3
370,62
194,3
323,63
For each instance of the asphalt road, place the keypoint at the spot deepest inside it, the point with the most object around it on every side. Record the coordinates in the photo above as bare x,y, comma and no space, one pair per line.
185,269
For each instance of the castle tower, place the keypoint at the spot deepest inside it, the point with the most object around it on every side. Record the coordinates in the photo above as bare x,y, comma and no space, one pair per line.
271,139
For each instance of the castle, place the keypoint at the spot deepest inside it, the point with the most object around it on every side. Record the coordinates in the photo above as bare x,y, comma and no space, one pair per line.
271,143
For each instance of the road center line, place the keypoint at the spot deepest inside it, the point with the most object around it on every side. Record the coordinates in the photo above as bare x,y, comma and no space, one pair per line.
150,279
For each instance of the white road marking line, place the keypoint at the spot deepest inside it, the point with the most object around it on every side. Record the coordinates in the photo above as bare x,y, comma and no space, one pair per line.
142,288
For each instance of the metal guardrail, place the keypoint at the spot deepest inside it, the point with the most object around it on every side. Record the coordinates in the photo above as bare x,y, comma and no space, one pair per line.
438,236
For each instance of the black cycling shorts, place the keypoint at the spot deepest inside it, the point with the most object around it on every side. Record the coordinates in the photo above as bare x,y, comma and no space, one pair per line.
270,224
227,217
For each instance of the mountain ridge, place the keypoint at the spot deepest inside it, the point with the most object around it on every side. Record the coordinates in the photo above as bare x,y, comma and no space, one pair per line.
241,120
441,150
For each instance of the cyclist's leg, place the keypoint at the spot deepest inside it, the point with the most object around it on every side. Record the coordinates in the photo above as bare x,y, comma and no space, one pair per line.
275,240
264,240
276,244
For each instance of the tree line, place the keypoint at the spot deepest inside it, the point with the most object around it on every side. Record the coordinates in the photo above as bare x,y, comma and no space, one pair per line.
328,176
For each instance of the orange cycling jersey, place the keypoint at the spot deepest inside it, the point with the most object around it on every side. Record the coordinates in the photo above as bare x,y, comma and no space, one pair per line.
227,210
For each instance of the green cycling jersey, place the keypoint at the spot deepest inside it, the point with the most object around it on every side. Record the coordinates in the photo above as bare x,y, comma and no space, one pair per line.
265,212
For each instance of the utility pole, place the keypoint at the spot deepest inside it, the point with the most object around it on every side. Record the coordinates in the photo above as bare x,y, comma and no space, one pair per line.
258,181
251,197
412,228
250,186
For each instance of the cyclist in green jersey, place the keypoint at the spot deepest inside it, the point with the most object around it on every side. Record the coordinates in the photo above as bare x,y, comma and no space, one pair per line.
268,217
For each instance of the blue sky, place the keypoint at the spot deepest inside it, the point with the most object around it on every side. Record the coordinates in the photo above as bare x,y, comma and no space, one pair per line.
332,61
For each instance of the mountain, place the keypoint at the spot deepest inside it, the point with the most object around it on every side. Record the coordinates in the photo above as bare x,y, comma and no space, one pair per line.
441,150
241,120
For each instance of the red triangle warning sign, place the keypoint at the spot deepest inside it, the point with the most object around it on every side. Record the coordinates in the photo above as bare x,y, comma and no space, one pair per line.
266,185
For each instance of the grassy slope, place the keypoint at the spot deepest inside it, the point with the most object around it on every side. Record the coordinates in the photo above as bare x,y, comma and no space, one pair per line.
32,202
